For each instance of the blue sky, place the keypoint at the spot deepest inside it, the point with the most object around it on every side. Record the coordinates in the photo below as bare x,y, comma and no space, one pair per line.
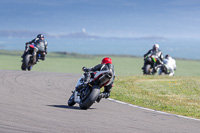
105,18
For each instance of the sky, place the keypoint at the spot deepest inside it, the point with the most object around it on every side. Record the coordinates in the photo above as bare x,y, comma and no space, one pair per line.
101,18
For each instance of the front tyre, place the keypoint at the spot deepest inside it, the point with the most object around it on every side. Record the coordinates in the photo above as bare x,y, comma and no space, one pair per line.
147,69
71,100
162,73
25,62
91,98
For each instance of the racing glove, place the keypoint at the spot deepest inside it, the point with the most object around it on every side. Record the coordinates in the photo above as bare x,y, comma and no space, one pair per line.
85,69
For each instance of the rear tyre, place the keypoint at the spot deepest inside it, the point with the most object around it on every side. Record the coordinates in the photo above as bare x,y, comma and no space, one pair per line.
87,103
71,100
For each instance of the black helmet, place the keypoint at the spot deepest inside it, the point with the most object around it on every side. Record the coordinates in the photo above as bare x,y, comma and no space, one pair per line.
40,36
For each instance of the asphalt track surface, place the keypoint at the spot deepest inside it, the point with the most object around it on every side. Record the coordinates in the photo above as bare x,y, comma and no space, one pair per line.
36,102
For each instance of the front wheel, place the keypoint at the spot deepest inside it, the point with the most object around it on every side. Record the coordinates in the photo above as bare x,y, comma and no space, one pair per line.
29,68
162,73
92,97
147,69
71,100
25,62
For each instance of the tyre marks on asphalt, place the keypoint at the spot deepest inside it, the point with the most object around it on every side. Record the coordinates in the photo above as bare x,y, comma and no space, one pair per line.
37,102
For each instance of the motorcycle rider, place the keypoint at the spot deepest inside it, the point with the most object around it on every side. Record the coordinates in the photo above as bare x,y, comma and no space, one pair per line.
106,64
170,63
40,47
158,53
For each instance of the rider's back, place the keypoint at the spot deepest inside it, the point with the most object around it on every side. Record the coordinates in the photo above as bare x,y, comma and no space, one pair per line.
40,44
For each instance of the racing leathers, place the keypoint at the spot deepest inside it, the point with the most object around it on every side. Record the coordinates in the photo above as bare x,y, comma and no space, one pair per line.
101,67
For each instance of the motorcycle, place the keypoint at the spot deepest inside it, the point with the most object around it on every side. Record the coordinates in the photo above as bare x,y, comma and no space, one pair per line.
149,60
27,62
163,70
86,94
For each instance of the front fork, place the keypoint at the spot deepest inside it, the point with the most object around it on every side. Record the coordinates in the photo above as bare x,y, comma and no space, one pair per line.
34,54
76,97
83,92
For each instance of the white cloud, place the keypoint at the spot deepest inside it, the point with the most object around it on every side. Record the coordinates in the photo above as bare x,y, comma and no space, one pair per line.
84,30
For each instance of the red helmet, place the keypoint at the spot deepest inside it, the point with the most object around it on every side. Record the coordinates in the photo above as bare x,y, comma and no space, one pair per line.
106,60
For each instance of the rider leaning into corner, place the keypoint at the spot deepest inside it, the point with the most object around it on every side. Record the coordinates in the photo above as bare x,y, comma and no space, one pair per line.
105,65
158,53
40,46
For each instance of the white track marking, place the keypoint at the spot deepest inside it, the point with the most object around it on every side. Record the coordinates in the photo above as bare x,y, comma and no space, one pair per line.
135,106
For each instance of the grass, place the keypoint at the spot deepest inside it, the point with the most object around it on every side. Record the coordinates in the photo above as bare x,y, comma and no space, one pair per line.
72,63
179,94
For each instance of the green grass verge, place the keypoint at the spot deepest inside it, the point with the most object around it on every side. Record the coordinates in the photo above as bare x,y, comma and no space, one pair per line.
178,95
72,63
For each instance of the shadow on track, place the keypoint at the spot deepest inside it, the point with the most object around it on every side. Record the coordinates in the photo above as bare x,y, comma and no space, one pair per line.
67,107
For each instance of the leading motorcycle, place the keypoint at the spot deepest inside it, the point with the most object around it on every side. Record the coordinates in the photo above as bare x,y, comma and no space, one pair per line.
27,61
86,94
149,60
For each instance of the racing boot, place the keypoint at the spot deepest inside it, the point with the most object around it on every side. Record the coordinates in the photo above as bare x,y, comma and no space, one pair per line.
99,98
106,94
107,90
103,95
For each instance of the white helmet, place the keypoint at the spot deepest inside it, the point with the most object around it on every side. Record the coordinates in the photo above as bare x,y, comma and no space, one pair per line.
156,46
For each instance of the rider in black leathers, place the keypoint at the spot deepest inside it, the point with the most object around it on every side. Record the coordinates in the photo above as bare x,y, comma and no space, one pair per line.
155,51
106,64
40,46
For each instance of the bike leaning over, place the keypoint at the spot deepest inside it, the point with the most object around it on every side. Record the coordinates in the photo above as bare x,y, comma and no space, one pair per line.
86,94
149,64
28,58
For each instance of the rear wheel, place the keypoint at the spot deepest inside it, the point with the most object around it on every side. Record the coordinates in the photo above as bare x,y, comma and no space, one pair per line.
92,97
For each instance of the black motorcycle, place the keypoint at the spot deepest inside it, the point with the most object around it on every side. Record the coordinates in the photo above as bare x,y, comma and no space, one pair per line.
27,62
86,95
149,60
